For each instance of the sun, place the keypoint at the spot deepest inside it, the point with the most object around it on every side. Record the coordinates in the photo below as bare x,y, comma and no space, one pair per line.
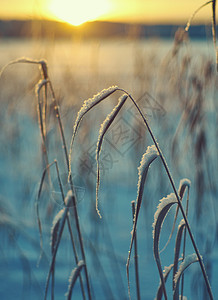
77,12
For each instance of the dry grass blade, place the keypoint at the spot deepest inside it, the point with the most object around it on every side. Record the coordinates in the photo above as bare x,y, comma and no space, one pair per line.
166,273
104,127
61,218
177,247
214,30
87,106
214,21
148,157
37,208
194,13
184,183
42,63
55,229
161,212
41,114
73,277
190,259
136,256
54,238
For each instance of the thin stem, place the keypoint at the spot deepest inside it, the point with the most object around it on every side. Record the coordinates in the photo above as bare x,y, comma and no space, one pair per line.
184,243
195,12
70,230
136,255
72,188
42,128
177,197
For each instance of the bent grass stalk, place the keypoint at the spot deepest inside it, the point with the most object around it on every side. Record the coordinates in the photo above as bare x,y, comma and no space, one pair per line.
73,277
68,221
44,83
42,113
178,200
162,210
84,110
62,219
148,157
184,183
213,24
104,127
74,204
190,259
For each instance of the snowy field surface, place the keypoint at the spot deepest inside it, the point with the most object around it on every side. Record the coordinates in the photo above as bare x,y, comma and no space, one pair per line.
176,88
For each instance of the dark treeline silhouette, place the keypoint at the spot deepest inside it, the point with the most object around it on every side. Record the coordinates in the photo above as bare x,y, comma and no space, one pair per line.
97,29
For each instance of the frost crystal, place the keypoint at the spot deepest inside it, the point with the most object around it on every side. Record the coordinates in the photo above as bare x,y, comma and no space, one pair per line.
171,198
57,219
88,104
184,182
40,84
106,123
147,158
104,127
150,154
187,261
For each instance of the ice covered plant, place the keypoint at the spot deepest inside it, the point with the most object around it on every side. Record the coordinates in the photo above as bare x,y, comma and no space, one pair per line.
56,234
87,106
42,88
150,155
104,127
162,210
160,214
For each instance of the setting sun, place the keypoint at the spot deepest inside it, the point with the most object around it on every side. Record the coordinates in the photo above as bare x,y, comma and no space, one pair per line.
77,12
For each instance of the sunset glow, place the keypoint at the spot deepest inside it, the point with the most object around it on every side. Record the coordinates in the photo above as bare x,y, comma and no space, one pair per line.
78,12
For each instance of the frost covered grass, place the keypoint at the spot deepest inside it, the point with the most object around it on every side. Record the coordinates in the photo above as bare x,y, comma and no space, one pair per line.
81,255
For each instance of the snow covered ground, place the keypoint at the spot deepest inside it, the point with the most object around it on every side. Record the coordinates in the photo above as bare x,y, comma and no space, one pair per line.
164,86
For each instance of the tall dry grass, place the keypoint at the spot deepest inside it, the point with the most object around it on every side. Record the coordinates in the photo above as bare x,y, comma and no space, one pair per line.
191,90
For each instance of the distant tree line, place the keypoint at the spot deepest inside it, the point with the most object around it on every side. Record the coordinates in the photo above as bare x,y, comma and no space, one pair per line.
97,29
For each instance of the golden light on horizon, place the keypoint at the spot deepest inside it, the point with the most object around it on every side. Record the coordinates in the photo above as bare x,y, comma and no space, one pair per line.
79,11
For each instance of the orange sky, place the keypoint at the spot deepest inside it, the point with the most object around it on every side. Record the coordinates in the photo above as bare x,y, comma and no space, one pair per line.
151,11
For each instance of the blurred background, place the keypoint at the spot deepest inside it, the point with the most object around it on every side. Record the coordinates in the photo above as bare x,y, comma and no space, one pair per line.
141,47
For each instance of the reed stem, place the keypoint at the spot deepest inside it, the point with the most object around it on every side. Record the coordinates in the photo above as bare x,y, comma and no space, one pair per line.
72,188
136,255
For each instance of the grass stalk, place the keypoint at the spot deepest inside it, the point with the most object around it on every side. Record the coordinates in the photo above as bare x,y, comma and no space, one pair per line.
184,243
136,255
67,218
177,197
69,201
70,231
74,204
